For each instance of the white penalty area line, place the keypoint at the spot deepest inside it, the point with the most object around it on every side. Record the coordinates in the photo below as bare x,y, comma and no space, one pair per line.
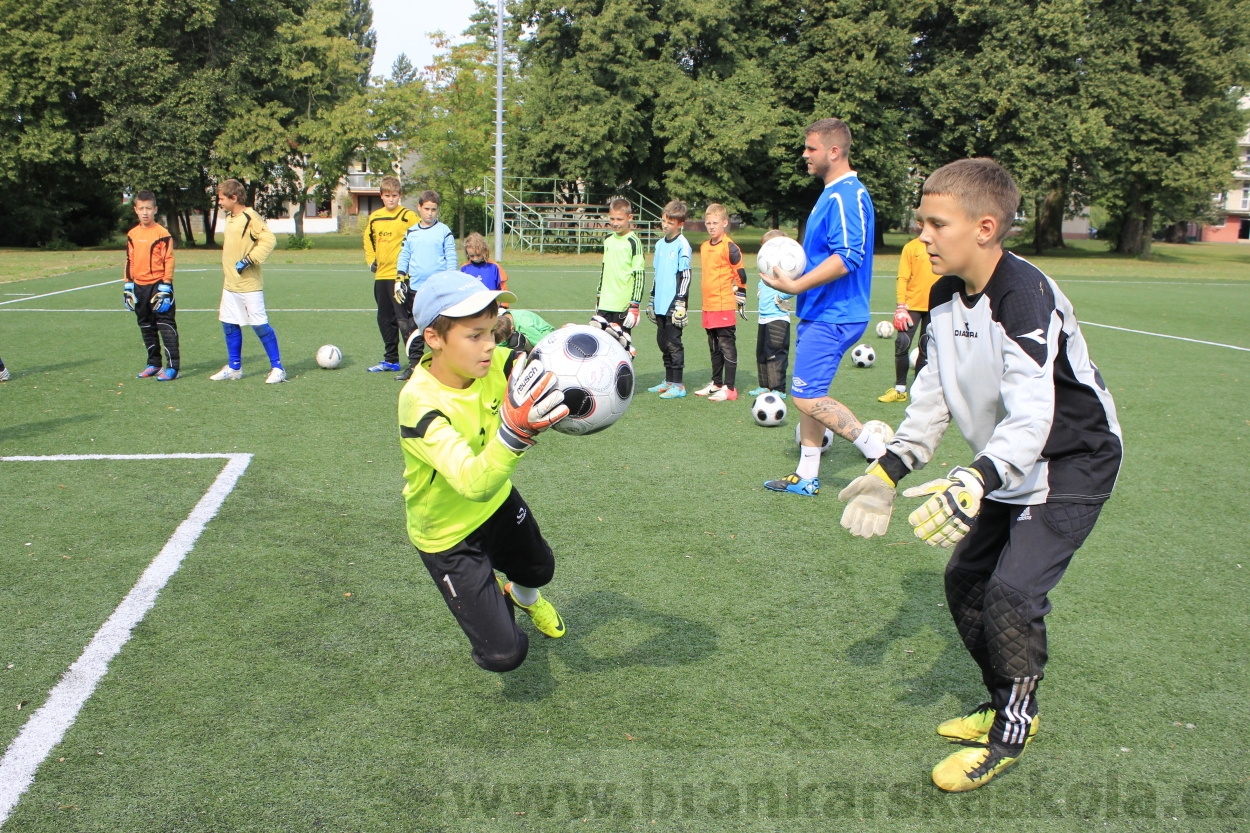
47,726
58,292
1165,335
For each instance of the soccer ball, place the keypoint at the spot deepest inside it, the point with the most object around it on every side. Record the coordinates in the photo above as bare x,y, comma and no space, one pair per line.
768,409
595,373
913,357
863,356
329,356
880,428
783,253
826,442
885,329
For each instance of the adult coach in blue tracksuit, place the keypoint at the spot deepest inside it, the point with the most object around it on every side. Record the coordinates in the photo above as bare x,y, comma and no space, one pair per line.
832,304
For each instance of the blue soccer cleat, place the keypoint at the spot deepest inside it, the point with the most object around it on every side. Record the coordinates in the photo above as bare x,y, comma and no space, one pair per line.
384,367
167,375
150,370
660,388
674,392
795,485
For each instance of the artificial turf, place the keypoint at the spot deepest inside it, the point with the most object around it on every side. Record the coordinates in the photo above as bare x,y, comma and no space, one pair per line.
735,660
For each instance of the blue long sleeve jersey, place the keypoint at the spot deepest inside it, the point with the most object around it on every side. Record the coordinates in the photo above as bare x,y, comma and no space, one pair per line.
426,250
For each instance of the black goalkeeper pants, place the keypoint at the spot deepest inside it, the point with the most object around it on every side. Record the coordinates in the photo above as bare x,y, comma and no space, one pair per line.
668,339
511,543
414,342
388,319
903,342
772,354
157,327
997,582
722,342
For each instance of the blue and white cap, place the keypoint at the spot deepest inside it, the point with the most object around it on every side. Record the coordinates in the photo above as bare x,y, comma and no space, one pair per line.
455,295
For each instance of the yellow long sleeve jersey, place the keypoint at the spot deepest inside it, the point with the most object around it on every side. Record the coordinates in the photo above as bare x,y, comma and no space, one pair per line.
384,237
246,235
457,471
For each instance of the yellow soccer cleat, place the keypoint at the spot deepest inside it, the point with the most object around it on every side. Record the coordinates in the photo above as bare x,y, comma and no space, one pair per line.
893,395
976,724
972,767
542,613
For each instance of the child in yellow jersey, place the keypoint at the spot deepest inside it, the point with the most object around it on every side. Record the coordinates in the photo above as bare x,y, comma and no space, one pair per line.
383,238
468,413
246,243
911,316
724,286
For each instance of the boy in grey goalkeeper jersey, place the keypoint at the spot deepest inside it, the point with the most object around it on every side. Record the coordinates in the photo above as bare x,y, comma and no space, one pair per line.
1007,364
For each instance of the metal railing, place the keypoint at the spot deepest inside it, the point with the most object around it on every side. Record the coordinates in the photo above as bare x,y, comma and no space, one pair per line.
552,215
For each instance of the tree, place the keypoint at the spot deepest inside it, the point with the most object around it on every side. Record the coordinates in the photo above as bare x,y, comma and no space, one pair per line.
1169,76
456,148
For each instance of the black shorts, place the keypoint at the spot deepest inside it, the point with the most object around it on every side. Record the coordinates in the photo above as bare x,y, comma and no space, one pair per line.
510,542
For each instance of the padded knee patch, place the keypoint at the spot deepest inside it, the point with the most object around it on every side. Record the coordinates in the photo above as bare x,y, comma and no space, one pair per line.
501,662
1073,521
965,595
902,343
262,330
228,328
1015,632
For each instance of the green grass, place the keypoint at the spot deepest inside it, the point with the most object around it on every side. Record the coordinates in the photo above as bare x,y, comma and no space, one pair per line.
735,660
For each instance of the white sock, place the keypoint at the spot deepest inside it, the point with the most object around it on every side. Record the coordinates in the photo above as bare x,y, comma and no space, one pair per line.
901,388
524,595
809,461
870,445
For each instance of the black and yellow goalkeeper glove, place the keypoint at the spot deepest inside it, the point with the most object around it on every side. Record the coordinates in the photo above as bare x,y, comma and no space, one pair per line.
944,519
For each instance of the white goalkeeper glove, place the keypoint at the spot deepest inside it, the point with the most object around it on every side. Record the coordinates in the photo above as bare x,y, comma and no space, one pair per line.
617,332
869,502
401,289
651,313
680,316
128,295
944,519
631,317
532,405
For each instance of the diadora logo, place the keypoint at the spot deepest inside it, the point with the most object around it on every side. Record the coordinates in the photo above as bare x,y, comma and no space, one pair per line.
520,515
965,332
1036,335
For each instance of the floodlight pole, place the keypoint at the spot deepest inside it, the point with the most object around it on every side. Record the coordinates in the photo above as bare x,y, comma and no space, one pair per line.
499,133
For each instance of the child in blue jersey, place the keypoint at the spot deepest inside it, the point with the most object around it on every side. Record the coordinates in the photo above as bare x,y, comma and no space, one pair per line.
772,343
428,248
832,301
480,265
669,293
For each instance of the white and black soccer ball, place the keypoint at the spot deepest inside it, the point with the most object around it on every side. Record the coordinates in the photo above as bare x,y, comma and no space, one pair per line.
913,357
595,373
885,329
863,356
881,428
769,409
783,253
826,442
329,356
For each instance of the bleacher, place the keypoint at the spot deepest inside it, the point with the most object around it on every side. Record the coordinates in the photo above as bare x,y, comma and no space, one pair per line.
553,215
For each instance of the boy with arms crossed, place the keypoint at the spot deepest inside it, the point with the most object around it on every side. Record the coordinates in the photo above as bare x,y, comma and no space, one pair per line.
724,288
669,293
428,248
832,303
467,415
245,244
1009,366
624,272
148,290
911,316
383,238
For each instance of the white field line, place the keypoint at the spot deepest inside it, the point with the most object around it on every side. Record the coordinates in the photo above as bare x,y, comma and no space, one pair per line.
1165,335
47,726
58,292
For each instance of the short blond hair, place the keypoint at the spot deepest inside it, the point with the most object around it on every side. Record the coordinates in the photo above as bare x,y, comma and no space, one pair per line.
715,209
980,186
621,204
389,184
773,234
